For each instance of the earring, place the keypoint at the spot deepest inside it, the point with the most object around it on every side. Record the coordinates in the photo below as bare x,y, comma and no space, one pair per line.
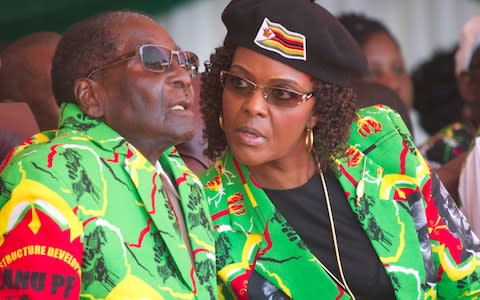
309,139
220,121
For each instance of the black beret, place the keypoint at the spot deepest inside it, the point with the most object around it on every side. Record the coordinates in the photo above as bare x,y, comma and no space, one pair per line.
298,33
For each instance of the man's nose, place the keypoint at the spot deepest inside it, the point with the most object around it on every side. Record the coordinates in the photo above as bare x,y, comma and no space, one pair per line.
182,77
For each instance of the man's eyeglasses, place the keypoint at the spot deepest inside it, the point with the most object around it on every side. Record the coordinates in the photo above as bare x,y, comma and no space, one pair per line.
156,59
277,96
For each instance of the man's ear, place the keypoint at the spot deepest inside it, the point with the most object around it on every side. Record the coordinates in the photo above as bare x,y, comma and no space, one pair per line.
88,97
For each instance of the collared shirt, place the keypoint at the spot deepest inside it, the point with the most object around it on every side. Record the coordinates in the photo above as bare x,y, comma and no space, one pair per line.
173,198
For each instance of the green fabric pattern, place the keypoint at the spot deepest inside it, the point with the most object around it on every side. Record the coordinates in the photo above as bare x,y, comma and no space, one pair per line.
450,142
424,242
102,201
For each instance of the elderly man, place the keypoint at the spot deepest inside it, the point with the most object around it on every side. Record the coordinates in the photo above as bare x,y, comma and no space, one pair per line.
105,207
25,76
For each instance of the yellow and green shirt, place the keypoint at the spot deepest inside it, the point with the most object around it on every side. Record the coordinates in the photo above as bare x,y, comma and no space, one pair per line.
83,214
430,253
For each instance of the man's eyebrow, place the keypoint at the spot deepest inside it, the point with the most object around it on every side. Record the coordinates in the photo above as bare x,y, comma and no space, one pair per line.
149,42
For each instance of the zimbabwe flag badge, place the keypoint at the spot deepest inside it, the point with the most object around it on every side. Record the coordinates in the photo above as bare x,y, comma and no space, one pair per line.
274,37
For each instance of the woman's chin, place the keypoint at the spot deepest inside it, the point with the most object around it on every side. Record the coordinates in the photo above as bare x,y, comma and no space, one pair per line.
249,157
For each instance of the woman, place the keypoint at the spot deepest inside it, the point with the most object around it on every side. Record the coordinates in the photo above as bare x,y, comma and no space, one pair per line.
385,59
386,65
300,210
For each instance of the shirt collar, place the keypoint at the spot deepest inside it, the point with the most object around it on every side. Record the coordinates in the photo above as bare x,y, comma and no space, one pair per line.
74,120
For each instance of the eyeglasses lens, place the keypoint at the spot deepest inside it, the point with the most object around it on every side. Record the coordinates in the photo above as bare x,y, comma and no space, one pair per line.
275,95
157,59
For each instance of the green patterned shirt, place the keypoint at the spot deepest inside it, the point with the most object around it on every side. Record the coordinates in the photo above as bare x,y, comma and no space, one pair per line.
84,214
418,233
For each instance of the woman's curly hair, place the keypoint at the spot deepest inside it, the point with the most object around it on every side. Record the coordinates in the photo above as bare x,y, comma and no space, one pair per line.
335,106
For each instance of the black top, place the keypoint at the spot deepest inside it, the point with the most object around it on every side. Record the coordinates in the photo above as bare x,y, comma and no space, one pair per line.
305,210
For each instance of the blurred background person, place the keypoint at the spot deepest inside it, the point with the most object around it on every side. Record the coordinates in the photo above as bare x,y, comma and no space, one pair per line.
448,148
17,123
455,137
437,97
385,60
25,76
444,115
469,78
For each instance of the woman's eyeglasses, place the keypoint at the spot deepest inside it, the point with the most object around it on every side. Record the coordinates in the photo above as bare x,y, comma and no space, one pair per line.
277,96
156,59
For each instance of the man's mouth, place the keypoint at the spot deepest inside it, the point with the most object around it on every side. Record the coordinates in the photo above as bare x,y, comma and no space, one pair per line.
178,107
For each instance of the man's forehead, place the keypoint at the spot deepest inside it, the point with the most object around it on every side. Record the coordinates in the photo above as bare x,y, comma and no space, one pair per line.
136,38
142,31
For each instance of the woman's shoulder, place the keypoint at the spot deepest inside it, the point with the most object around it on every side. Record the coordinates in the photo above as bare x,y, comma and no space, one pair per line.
380,112
378,122
380,133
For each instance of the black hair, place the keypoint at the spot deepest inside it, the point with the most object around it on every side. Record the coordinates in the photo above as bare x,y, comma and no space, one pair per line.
362,27
335,107
83,47
436,95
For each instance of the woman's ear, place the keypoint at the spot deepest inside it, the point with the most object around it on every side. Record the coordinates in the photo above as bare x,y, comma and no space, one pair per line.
313,120
87,96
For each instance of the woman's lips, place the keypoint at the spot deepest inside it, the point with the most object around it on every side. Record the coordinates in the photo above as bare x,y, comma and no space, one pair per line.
250,136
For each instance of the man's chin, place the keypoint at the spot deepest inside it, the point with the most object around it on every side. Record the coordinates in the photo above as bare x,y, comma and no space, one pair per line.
184,136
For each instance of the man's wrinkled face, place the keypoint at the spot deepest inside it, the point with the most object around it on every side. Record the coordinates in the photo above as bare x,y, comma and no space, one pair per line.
145,106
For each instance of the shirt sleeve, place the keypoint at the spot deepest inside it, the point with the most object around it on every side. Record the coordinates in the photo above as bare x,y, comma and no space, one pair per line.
40,244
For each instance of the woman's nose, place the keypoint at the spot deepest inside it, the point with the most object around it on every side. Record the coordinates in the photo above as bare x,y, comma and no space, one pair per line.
256,103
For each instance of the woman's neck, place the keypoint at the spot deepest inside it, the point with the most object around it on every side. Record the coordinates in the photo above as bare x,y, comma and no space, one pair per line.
284,175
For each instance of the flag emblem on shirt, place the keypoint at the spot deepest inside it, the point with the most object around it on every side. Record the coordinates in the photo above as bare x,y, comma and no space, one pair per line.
274,37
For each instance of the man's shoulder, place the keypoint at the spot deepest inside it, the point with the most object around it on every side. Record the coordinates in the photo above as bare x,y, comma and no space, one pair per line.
51,159
43,145
30,150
